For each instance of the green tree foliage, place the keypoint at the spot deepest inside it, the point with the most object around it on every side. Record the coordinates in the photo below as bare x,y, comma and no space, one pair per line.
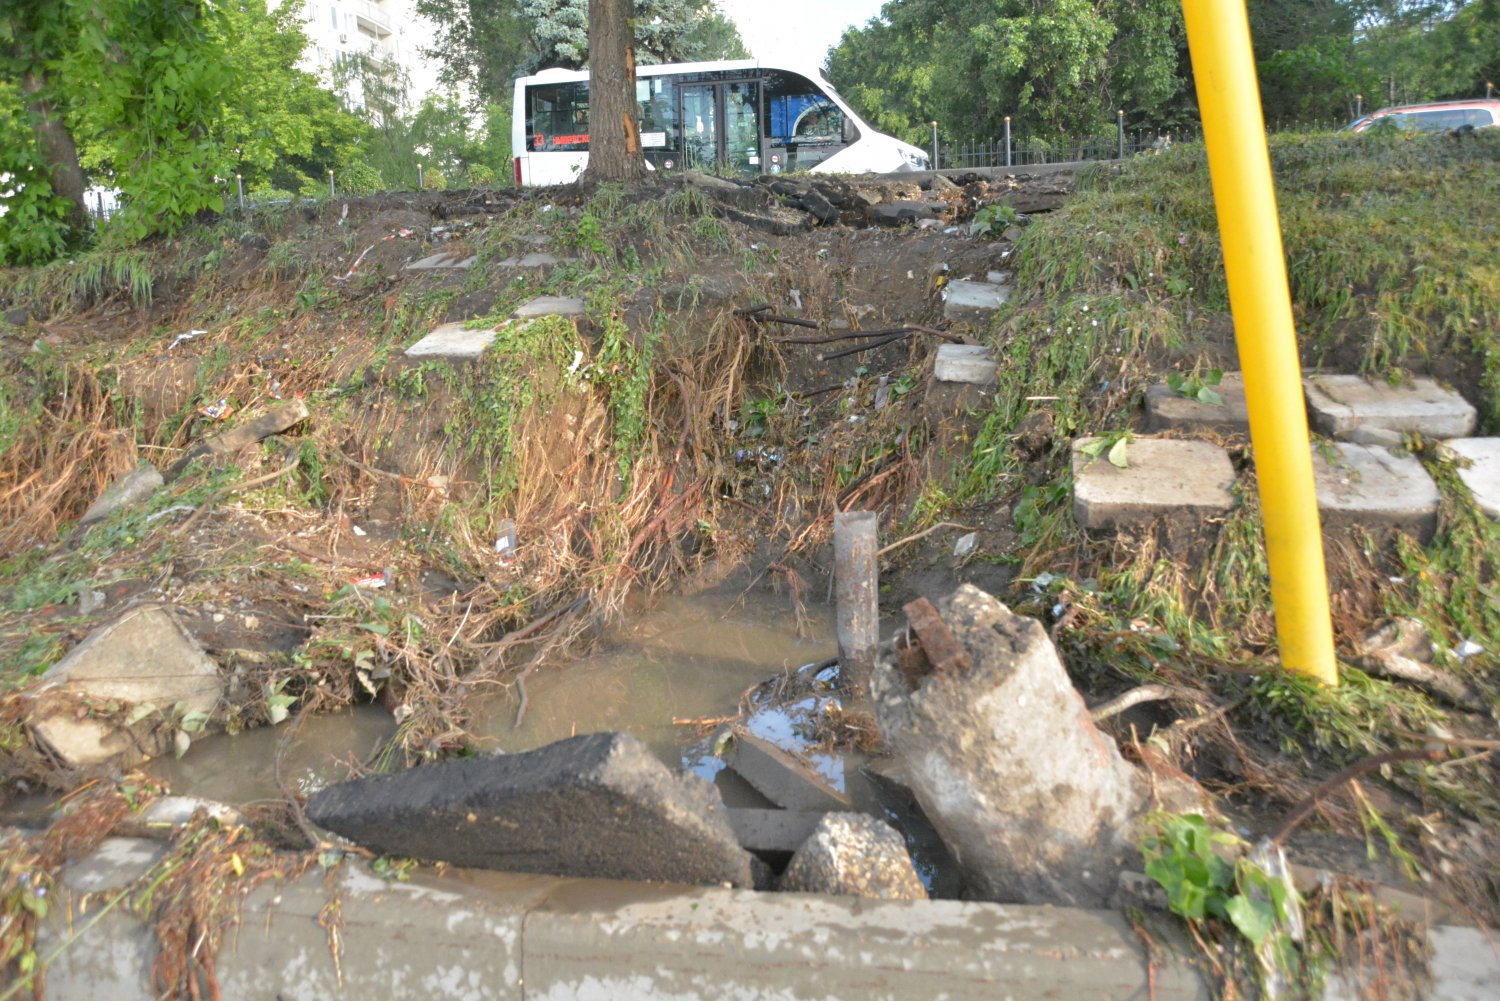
282,130
487,43
1054,66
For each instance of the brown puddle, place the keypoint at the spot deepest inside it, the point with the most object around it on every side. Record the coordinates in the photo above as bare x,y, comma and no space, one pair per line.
683,659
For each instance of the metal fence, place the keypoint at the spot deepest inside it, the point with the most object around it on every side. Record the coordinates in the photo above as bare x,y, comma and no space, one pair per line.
1019,149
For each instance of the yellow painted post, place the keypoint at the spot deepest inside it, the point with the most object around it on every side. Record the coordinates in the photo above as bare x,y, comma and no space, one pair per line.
1234,131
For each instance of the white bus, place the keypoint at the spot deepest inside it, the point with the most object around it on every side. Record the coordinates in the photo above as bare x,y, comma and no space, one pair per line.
736,116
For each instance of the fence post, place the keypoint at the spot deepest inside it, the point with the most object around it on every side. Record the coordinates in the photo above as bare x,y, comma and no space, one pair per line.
239,183
1007,140
421,185
1120,131
1359,105
1489,90
934,146
331,192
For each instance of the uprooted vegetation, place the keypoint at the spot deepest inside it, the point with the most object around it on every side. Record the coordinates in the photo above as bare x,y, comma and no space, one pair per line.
679,434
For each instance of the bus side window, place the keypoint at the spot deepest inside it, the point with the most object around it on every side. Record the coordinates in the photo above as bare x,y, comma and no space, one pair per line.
558,117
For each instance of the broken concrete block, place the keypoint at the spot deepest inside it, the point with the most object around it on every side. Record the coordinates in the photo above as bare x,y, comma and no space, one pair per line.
1369,487
969,301
130,489
550,305
854,855
447,260
781,778
454,340
274,421
1166,411
1166,477
997,277
1339,403
970,363
533,260
166,816
902,212
1482,475
772,830
1032,801
143,658
599,805
1370,434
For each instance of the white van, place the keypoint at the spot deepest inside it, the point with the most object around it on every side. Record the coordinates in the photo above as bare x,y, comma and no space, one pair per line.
731,116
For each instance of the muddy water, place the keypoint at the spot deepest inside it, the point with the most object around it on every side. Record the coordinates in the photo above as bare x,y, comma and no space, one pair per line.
685,659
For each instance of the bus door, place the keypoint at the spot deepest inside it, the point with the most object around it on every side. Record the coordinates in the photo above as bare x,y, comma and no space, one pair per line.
721,126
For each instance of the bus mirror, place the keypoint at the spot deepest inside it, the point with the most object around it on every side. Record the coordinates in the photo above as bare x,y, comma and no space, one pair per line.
850,132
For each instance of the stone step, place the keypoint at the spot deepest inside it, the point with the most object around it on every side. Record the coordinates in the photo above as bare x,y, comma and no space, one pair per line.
447,260
1370,487
968,300
970,363
550,305
454,340
1337,404
534,260
1482,476
1165,477
1167,411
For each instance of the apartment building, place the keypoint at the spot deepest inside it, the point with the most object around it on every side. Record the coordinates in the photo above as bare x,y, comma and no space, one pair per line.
389,31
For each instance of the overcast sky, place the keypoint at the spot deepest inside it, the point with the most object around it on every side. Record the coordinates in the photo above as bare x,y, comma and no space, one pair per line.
804,29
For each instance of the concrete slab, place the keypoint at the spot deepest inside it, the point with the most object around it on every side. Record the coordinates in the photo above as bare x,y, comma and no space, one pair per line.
1166,477
1371,488
453,340
143,658
967,301
1483,476
501,936
445,261
970,363
854,855
598,804
534,260
997,277
1337,404
550,305
761,830
1166,411
781,778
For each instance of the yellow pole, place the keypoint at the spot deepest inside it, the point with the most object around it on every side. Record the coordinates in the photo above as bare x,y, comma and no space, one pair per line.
1234,131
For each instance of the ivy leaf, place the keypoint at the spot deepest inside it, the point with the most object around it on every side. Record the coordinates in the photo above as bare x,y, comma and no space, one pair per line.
1254,918
1117,454
1209,396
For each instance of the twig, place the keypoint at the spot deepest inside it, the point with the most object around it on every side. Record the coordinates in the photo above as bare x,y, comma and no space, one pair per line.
858,335
1136,696
922,534
1305,808
220,494
789,320
934,332
867,347
752,310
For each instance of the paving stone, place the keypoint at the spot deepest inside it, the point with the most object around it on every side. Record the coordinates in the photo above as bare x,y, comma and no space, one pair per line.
1369,487
597,805
966,300
1165,410
781,778
143,658
1339,403
762,830
133,488
971,363
535,260
1165,477
445,261
998,277
853,855
453,340
1483,477
550,305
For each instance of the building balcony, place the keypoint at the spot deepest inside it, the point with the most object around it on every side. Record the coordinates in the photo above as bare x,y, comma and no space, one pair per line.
372,17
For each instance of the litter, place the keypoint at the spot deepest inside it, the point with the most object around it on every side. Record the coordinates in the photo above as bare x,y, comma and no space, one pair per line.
1467,649
216,411
357,261
966,545
577,361
185,337
374,580
505,543
359,531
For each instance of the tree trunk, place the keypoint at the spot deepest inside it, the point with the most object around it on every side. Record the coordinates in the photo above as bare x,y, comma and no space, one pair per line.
57,147
614,143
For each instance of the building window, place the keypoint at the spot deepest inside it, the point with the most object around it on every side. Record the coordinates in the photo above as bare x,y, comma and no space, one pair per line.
334,15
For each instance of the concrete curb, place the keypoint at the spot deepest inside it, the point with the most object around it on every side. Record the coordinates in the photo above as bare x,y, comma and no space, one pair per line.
488,935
